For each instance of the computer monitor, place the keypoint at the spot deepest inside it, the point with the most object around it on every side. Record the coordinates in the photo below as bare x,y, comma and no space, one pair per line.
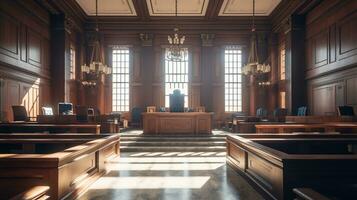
65,108
177,101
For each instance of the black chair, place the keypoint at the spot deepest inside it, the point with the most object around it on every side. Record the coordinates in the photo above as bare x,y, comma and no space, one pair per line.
345,111
302,111
279,114
20,113
82,113
261,112
136,116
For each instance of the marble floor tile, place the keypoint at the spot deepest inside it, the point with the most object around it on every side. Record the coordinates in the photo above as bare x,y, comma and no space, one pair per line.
148,176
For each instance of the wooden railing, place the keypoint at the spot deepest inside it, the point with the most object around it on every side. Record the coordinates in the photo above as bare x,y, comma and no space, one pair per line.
308,194
34,193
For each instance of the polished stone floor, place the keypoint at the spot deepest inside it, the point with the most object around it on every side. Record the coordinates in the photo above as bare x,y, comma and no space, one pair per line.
171,176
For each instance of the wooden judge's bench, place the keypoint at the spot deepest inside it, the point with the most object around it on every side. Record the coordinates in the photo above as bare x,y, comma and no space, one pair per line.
177,123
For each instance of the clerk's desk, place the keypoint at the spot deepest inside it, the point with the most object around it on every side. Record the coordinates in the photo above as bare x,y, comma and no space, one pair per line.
177,123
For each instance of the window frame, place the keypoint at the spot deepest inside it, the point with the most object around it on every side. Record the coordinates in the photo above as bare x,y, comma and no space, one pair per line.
121,69
72,62
181,72
282,65
233,68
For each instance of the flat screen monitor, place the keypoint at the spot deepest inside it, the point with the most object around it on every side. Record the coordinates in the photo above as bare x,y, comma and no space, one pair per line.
65,108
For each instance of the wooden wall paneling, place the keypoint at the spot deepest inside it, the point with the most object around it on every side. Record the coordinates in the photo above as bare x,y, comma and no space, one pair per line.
34,48
137,94
195,78
12,97
147,63
347,34
351,96
320,49
218,85
158,94
9,36
331,37
207,62
324,100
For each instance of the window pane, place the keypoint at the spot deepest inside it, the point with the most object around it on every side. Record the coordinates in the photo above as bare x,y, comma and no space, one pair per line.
176,77
232,79
120,79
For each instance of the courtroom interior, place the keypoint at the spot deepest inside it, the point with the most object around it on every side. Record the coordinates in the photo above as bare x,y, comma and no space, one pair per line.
178,99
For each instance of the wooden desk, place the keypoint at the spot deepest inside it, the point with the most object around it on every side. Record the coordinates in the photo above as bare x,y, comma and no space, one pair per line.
313,119
341,127
177,123
51,128
289,128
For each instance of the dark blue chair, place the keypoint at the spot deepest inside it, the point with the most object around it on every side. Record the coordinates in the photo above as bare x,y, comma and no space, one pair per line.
261,112
302,111
345,111
136,116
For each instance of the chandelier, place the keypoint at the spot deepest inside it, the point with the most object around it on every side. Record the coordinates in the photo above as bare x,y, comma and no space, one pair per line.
96,68
175,52
253,67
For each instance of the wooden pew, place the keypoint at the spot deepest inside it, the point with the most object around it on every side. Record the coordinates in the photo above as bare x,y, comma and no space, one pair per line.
67,163
324,127
313,119
51,128
289,128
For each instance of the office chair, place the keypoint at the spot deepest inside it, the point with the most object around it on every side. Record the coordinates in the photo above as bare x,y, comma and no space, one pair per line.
136,116
345,111
302,111
20,113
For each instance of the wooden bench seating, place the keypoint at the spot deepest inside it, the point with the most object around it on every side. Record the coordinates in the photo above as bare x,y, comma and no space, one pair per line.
51,128
324,127
67,163
276,164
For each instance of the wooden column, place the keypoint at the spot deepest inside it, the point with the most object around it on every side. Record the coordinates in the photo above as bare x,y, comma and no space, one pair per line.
295,64
58,61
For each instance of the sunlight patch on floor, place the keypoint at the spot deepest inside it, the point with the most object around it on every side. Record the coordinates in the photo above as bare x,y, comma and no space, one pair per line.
164,167
147,182
216,159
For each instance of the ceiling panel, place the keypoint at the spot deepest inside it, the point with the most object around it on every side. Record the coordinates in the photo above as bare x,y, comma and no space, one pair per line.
108,7
184,7
245,7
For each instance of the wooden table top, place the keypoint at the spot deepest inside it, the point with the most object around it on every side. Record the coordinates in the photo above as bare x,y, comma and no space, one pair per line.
49,125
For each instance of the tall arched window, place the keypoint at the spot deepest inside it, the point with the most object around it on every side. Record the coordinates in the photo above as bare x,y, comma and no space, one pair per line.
233,79
176,77
120,90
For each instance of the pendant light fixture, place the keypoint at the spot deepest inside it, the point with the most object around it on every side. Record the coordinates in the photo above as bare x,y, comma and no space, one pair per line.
94,71
253,67
175,52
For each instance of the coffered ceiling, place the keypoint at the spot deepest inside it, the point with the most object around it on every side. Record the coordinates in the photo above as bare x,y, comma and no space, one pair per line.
184,7
108,7
245,7
192,8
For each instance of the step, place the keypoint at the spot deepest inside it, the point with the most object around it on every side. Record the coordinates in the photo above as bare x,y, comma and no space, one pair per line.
173,143
171,149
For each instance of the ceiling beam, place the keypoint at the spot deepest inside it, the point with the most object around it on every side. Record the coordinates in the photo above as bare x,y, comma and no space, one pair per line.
213,8
141,9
